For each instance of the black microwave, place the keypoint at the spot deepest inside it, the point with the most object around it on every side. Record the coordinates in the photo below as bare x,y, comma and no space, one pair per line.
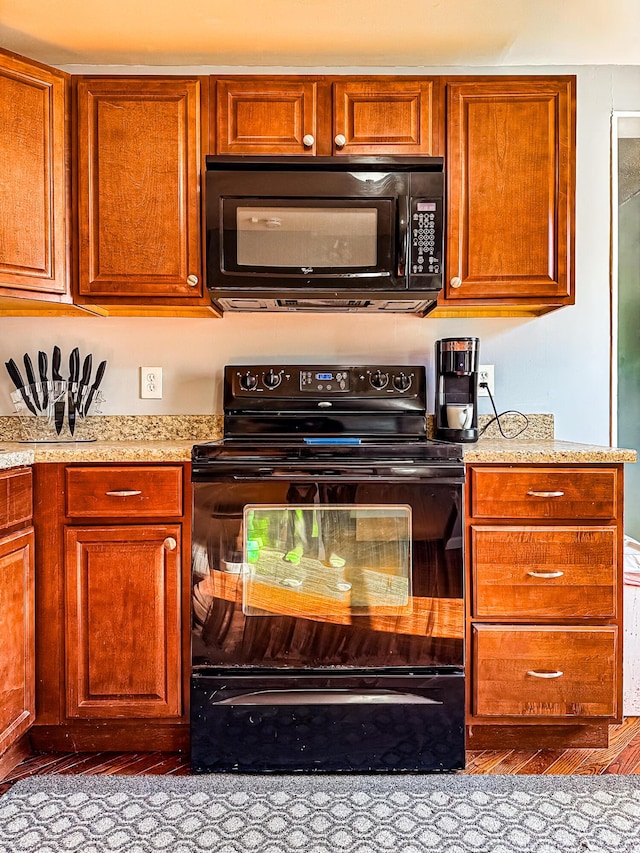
324,233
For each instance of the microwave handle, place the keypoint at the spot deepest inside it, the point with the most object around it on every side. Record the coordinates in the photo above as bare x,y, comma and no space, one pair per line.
403,233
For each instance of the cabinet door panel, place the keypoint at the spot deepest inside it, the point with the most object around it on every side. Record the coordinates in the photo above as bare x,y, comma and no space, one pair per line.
387,117
266,117
33,253
538,671
123,621
138,163
16,497
544,572
17,663
510,189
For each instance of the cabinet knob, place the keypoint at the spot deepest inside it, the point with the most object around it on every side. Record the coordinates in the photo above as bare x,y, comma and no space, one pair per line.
456,281
340,140
308,140
192,280
170,544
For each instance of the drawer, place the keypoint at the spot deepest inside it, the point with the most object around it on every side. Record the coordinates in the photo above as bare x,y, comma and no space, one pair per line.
544,493
543,671
16,497
143,490
534,572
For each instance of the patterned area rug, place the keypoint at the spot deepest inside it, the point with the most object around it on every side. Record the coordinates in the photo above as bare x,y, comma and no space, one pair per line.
322,814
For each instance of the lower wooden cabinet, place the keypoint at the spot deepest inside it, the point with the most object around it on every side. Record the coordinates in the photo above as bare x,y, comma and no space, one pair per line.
17,673
544,604
122,621
113,639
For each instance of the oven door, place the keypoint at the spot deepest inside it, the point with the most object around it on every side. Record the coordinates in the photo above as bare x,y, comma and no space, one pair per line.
306,571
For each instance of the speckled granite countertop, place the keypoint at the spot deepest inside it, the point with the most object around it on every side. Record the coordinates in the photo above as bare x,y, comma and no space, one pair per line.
169,438
486,450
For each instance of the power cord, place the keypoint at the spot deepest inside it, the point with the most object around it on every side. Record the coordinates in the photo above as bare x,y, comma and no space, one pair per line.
497,416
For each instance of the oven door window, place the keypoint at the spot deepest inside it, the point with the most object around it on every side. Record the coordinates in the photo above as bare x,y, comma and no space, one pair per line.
329,562
337,237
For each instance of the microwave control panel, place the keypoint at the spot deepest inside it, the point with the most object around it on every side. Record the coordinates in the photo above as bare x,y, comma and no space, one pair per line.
425,256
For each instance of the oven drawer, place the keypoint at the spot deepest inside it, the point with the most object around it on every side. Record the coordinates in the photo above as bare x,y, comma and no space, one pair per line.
544,671
303,721
543,493
141,490
544,572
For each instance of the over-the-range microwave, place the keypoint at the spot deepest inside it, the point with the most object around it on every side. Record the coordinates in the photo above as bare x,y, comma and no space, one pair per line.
324,233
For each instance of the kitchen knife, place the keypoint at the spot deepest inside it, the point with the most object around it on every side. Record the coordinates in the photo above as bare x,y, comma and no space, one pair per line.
84,382
57,377
16,378
99,374
31,380
74,373
42,370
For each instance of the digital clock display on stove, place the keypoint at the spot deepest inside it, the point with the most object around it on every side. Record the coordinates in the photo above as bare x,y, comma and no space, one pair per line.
324,377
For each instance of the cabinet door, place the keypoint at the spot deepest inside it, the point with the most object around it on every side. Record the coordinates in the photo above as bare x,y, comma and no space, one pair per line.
263,116
387,117
138,211
17,663
511,183
33,253
123,621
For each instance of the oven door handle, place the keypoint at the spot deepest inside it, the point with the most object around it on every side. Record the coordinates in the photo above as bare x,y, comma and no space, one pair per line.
347,475
328,697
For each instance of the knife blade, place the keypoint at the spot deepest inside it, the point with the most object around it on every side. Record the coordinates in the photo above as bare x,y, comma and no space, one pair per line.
84,382
74,372
31,380
42,370
96,384
57,377
16,378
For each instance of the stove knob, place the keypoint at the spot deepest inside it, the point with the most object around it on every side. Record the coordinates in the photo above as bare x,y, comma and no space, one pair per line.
271,379
249,382
401,382
379,380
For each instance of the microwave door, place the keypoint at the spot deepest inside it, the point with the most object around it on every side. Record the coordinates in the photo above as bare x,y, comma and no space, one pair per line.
326,239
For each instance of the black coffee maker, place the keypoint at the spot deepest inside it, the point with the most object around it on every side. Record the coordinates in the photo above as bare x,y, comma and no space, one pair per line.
457,389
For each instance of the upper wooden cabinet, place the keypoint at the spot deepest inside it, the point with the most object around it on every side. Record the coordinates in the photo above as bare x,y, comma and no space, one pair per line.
137,184
33,190
310,116
511,176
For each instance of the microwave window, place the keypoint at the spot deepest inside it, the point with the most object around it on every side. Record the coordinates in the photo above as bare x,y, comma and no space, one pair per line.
333,238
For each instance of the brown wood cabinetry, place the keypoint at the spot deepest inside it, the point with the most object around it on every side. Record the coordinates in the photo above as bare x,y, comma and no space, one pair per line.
544,574
544,562
310,116
138,202
511,182
33,187
113,615
122,623
17,664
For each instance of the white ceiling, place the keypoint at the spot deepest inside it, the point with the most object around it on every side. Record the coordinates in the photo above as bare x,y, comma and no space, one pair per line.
323,33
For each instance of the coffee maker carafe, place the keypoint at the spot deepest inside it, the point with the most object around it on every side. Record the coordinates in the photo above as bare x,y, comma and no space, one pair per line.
457,389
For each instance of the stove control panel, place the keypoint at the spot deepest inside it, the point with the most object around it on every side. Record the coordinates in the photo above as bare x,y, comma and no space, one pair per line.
301,382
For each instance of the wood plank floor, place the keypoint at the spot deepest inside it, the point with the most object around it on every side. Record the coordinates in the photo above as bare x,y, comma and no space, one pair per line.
622,756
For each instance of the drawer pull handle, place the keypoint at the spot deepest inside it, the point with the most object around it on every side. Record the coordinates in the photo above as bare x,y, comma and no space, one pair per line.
536,673
545,574
170,544
124,493
545,494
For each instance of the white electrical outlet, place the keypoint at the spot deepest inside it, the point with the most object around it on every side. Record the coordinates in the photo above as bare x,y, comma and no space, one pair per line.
151,383
485,374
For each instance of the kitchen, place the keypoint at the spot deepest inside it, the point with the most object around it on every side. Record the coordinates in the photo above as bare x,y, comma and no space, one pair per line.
556,363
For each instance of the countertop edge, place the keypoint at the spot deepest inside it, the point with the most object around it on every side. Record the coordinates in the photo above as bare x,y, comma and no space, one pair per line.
485,451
